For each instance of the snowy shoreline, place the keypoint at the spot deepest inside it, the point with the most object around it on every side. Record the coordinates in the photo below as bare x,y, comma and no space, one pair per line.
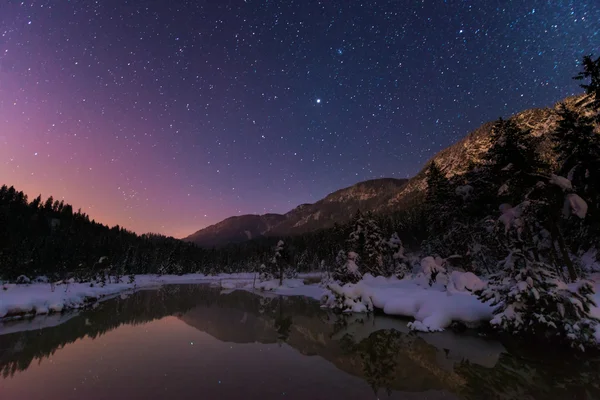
39,298
433,307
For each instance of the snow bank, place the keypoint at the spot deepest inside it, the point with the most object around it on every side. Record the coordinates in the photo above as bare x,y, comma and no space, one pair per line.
575,205
41,298
432,307
561,182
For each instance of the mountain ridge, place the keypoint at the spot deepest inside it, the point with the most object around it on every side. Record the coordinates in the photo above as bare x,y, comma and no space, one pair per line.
389,194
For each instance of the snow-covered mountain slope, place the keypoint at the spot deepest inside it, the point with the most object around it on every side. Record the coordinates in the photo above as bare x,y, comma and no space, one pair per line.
380,195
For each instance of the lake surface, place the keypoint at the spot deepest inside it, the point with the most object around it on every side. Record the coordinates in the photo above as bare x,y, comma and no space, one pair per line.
196,342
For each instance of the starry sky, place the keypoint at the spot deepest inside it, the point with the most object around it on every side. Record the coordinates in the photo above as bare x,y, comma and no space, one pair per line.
168,116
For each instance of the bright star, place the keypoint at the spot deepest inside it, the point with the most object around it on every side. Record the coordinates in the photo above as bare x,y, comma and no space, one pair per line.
318,101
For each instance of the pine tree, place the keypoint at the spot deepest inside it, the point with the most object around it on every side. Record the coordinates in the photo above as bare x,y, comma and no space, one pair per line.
438,200
578,148
396,260
357,239
530,300
346,268
528,294
278,262
374,249
591,70
264,273
513,162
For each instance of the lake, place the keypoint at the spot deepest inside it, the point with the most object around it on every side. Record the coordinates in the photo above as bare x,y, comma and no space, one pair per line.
198,342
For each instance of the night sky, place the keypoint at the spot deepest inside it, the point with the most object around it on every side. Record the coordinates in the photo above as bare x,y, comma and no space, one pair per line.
168,116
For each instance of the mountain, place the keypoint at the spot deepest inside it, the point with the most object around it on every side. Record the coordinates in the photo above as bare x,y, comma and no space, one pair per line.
382,195
337,207
235,229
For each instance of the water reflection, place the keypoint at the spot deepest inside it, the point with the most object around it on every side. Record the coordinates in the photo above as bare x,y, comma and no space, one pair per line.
378,350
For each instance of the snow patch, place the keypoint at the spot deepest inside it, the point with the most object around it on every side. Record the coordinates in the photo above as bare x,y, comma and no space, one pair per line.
575,205
561,182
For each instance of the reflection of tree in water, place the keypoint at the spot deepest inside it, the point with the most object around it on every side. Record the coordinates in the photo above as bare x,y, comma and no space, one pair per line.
517,378
283,323
379,356
19,350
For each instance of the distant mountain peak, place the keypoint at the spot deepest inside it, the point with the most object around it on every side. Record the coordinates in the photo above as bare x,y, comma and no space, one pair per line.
338,206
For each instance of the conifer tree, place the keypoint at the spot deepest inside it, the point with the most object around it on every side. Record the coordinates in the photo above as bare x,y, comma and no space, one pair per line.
513,161
278,261
591,71
396,260
578,148
346,268
374,248
356,241
438,200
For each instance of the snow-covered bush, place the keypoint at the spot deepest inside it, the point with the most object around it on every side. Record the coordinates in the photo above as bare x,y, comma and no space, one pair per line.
22,279
464,281
432,270
264,273
346,298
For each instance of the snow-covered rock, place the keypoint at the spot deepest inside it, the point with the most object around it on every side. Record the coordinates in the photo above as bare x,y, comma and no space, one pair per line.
561,182
465,281
575,205
464,191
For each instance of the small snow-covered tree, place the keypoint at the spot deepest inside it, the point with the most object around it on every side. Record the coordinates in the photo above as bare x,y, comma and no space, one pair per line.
366,240
278,263
356,240
374,249
346,267
264,273
397,264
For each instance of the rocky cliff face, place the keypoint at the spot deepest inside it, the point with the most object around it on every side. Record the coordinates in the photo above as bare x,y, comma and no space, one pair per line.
380,195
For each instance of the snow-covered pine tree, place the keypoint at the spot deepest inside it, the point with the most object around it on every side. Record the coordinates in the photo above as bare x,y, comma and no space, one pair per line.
264,273
374,249
397,263
528,294
356,240
346,267
531,301
278,264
